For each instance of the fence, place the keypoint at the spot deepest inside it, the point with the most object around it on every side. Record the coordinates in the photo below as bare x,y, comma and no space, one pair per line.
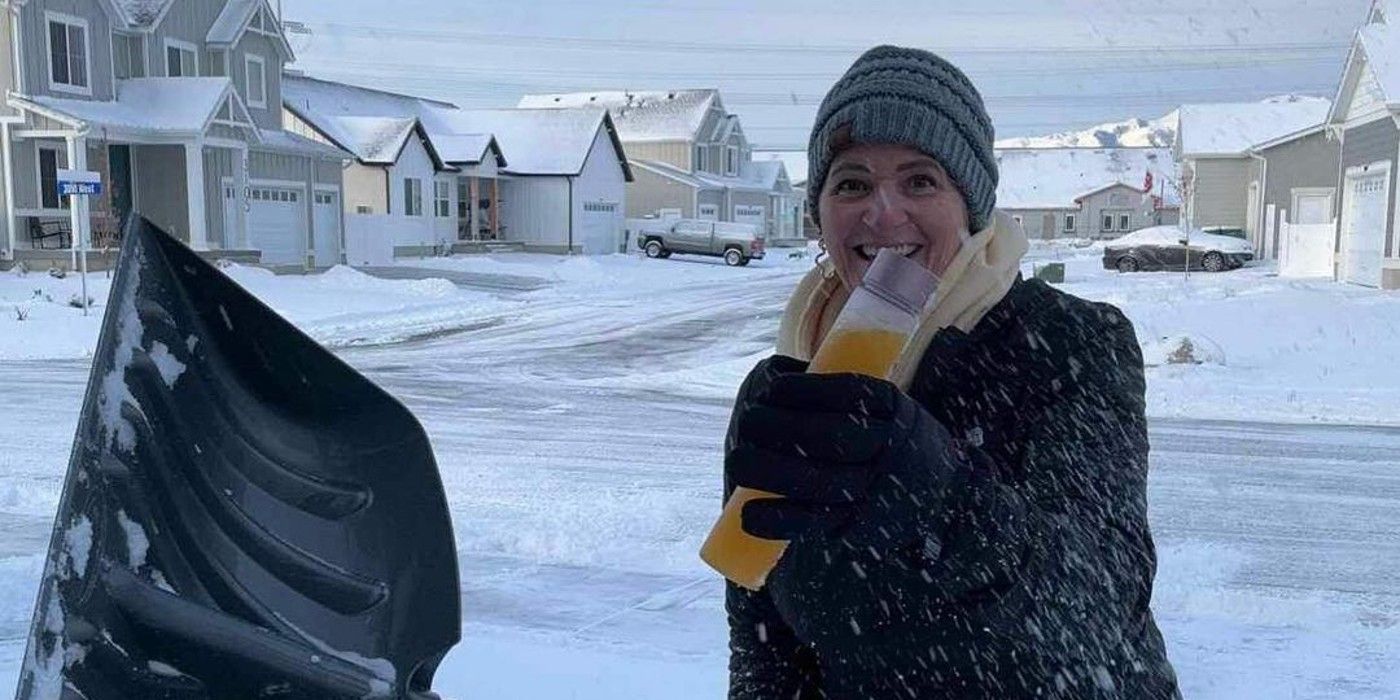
1306,250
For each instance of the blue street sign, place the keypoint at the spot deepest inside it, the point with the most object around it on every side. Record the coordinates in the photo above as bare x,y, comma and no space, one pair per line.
73,188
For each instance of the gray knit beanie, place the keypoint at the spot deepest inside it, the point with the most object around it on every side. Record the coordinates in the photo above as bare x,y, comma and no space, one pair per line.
914,98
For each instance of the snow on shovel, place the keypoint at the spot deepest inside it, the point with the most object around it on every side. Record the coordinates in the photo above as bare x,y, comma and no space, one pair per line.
244,515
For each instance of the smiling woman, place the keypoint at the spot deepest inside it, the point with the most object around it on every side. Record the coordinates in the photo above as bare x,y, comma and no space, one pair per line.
976,526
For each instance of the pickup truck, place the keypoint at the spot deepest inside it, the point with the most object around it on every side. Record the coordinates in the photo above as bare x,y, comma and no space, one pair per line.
736,243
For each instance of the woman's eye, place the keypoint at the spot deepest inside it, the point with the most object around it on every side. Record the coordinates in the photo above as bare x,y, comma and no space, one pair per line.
923,182
850,187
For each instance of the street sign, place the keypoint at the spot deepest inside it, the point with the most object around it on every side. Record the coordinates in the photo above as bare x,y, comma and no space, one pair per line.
79,182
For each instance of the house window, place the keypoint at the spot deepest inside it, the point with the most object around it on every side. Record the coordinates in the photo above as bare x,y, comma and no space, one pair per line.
50,161
1069,222
731,160
364,209
1017,219
127,56
442,198
181,59
1108,222
701,164
68,54
1125,222
464,199
709,211
412,196
255,81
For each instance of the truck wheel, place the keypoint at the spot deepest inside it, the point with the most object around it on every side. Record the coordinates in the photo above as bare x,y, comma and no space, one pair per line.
654,249
733,257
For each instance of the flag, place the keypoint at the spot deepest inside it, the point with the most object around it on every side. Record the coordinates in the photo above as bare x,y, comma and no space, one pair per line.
1147,182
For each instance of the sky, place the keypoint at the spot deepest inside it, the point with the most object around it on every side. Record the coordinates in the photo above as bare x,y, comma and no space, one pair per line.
1042,66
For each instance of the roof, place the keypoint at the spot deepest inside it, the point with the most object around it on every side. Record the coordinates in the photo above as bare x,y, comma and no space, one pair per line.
535,141
467,149
672,115
233,21
794,161
760,176
163,105
288,142
371,124
1054,178
143,13
1232,128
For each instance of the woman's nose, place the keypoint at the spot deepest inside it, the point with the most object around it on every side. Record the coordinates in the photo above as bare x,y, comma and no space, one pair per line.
885,210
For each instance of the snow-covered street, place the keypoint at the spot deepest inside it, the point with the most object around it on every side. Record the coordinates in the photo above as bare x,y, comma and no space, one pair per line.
577,426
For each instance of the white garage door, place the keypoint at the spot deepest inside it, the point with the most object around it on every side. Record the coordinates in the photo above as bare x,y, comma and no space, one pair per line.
599,230
277,224
1364,239
326,215
751,215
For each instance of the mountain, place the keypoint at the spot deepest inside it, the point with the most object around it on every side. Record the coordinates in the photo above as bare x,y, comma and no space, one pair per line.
1133,133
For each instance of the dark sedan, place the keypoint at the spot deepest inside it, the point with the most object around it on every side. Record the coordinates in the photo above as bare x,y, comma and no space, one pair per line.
1161,248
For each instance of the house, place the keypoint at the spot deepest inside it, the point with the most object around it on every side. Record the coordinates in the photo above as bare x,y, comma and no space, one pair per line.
424,192
1213,150
691,158
1087,192
1296,178
1363,116
564,188
178,106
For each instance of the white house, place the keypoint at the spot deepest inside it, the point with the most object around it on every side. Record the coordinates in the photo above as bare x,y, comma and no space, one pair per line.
177,106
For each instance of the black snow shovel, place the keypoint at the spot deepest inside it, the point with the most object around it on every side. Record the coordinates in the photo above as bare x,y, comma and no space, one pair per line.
244,515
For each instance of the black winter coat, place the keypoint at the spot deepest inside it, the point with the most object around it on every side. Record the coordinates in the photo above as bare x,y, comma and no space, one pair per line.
1038,585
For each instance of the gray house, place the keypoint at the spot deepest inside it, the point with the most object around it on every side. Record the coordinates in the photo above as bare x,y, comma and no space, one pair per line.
691,158
1296,175
178,106
1087,192
1364,117
1213,150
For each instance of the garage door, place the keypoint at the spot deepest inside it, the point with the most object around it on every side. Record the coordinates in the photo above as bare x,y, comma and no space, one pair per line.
277,224
1364,239
326,215
751,215
599,230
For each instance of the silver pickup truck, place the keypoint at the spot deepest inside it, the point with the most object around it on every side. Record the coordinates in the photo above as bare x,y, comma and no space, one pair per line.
736,243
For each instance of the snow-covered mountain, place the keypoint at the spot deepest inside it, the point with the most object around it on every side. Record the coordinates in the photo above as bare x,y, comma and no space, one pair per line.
1133,133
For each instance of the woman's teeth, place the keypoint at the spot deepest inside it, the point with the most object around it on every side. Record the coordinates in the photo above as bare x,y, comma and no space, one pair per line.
905,250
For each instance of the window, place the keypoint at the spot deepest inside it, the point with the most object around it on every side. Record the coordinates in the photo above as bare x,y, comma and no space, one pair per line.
731,160
363,209
218,63
709,211
1069,222
325,198
50,162
255,81
464,199
1125,222
442,198
700,159
1108,222
127,55
68,54
1017,219
181,59
412,196
600,207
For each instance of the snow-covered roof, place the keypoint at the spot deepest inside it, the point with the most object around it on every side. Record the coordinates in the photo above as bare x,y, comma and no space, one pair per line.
759,176
1054,178
795,162
372,124
233,21
1233,128
286,141
670,115
1130,133
465,148
173,105
142,13
534,141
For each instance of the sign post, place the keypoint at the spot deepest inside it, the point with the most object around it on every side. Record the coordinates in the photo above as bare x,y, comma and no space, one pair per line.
78,184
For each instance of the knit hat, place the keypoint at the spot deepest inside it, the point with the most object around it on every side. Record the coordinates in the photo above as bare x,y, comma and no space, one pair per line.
914,98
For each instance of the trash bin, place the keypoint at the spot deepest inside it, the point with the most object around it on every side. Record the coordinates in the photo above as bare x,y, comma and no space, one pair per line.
1053,273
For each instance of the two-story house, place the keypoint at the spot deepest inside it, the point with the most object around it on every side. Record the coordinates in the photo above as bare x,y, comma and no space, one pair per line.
691,158
177,104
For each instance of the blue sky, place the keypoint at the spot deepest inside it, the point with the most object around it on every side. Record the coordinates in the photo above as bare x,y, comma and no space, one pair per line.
1042,65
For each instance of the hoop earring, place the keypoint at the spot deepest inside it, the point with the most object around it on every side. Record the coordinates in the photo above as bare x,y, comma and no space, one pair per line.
822,255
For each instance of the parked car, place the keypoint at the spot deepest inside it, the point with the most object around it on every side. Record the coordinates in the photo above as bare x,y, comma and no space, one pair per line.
1231,231
736,243
1160,248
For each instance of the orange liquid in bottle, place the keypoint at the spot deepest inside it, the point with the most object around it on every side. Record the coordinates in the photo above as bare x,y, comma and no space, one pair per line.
743,558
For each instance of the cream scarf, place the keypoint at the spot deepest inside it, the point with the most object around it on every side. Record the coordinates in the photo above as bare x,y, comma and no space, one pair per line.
977,278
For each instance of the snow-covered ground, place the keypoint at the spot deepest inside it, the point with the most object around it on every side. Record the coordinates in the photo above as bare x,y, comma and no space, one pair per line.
577,428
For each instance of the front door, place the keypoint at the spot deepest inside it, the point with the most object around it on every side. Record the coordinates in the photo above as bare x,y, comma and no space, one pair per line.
230,208
119,162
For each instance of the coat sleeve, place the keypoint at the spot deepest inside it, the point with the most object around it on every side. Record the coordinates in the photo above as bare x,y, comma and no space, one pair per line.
765,659
1060,553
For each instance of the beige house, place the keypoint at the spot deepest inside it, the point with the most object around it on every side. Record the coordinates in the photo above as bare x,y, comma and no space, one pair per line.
1087,192
690,158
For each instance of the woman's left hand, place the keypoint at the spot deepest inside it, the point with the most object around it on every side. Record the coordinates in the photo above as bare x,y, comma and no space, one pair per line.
853,457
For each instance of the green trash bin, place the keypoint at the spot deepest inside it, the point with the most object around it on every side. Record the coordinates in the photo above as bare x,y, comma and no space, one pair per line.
1053,273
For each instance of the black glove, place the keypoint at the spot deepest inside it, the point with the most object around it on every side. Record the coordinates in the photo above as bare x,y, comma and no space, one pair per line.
853,457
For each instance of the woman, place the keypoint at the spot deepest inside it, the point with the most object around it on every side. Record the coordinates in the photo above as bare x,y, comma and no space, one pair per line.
977,526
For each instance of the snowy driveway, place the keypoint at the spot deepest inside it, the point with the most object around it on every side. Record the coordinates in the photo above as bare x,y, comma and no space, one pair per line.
578,440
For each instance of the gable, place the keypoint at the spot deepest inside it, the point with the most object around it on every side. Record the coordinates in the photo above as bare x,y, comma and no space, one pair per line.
1367,99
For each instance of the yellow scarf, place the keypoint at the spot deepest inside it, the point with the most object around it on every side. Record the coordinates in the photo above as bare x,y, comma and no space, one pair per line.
977,278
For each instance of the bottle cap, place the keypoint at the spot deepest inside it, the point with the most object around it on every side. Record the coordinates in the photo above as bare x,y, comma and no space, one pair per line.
900,281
